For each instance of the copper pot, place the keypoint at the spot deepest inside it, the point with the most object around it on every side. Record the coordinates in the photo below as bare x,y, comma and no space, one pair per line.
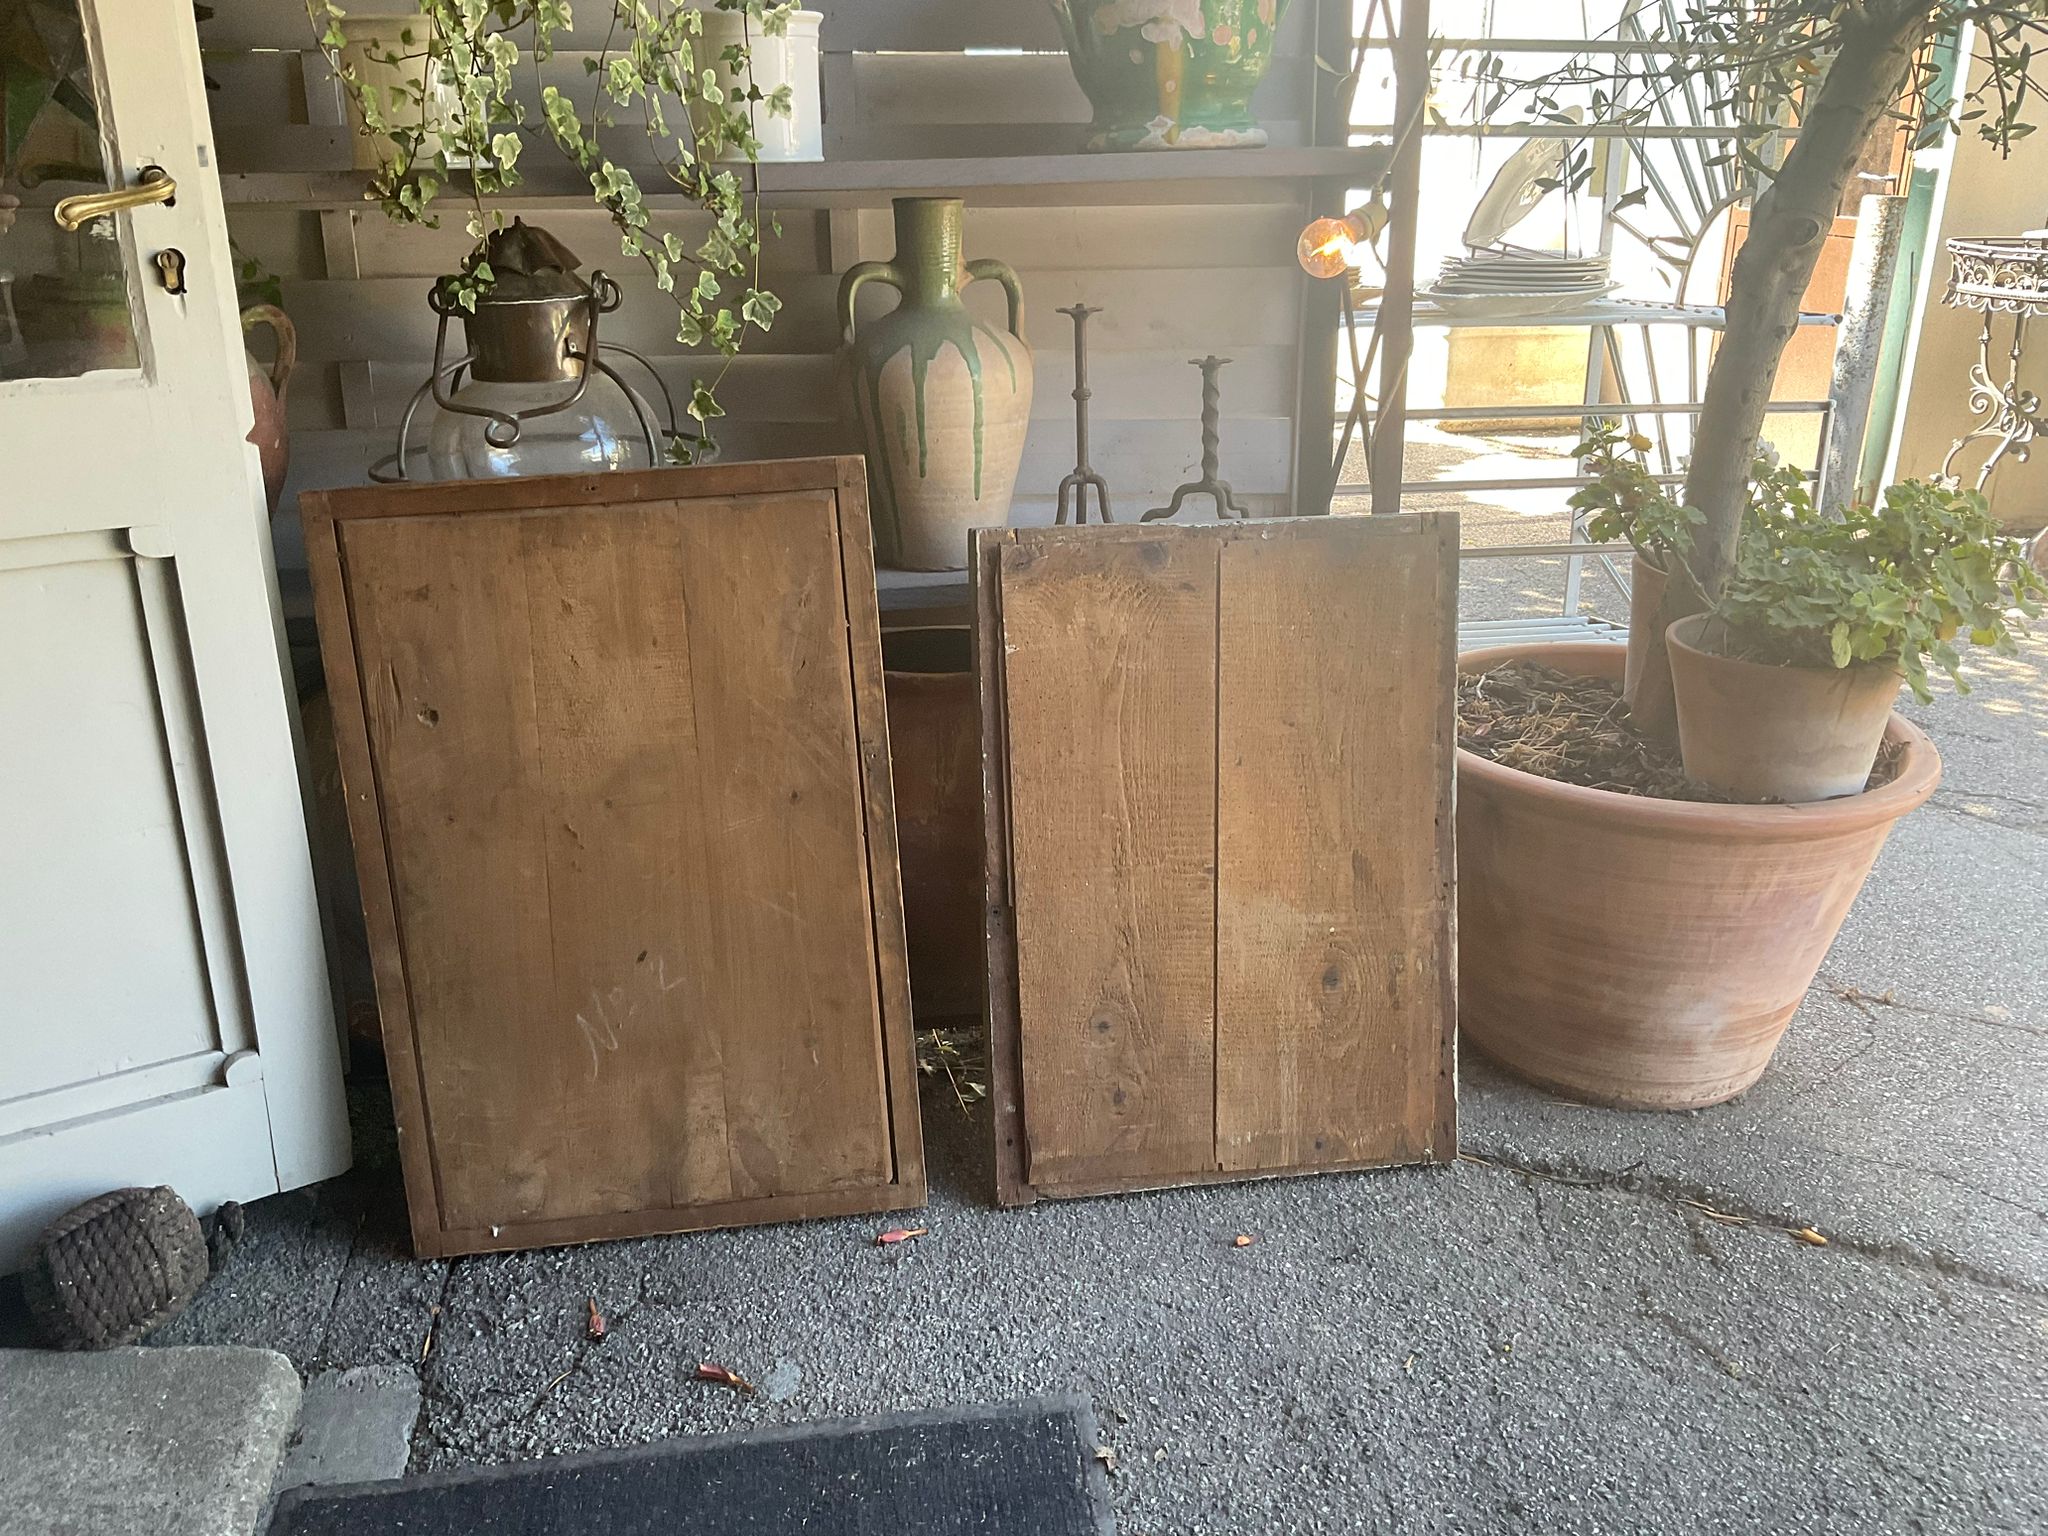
935,762
1650,953
267,387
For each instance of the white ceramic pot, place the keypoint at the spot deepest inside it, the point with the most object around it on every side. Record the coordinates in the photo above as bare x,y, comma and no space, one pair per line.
388,52
790,60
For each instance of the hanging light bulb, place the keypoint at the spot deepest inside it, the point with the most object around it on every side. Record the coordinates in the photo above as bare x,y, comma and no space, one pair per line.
1329,246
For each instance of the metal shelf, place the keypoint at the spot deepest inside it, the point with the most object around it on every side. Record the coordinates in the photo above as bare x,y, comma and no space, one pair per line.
1601,312
1177,176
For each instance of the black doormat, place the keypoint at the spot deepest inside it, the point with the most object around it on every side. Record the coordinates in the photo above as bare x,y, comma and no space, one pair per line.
1030,1469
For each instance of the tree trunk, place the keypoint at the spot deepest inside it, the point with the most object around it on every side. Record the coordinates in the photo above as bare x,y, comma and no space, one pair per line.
1787,233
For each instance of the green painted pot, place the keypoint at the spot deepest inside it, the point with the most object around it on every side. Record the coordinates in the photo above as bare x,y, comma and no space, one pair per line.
943,400
1171,74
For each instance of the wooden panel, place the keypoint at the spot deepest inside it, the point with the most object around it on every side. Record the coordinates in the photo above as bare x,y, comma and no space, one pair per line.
629,870
1144,459
388,318
1153,385
1217,793
1109,651
1332,969
848,24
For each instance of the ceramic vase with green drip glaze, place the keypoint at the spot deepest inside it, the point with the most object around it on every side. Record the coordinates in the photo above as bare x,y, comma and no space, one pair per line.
1171,74
943,398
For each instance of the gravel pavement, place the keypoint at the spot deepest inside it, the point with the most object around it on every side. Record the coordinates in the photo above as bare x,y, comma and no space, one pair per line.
1599,1322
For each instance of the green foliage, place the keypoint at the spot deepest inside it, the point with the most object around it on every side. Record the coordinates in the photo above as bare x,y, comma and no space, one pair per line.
254,282
1624,501
1742,61
654,80
1763,67
1897,583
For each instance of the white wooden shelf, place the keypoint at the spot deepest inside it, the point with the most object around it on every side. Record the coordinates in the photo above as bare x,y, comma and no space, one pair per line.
1177,176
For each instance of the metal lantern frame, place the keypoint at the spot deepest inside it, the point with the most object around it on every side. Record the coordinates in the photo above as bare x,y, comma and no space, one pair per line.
504,429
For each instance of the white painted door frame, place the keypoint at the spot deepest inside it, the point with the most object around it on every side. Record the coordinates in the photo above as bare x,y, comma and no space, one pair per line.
135,555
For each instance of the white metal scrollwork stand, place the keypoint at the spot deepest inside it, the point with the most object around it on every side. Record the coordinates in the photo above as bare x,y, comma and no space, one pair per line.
2001,276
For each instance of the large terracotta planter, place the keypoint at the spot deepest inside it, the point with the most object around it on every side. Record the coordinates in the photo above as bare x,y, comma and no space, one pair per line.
1650,953
935,765
1775,733
942,400
1171,74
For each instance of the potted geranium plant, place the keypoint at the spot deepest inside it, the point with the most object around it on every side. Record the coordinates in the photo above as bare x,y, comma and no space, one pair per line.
1648,947
442,103
1784,685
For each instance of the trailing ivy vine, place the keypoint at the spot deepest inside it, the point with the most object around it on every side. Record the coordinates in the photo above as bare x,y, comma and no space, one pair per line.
463,129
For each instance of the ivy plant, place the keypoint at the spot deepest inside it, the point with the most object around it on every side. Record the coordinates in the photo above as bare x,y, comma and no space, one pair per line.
1898,583
463,128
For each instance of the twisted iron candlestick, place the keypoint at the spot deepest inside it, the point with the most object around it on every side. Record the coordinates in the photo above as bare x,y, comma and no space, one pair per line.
1212,439
1077,485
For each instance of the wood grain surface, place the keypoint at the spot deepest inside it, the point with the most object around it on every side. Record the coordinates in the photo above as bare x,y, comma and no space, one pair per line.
631,857
1218,789
1111,691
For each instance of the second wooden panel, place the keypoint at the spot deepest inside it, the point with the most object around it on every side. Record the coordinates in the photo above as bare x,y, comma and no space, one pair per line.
1223,846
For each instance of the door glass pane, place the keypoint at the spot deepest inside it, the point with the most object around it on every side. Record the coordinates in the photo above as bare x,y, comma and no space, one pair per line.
63,297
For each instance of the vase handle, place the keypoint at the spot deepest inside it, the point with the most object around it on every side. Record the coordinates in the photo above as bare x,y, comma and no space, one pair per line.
858,276
988,267
287,343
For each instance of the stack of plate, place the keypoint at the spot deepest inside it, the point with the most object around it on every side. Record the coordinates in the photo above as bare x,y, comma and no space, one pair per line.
1509,280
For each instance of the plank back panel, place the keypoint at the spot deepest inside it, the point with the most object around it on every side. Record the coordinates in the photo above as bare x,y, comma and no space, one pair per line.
1110,646
1334,888
1221,918
608,743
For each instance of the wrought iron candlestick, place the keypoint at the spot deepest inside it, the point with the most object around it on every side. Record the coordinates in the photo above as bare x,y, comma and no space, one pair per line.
1076,486
1212,438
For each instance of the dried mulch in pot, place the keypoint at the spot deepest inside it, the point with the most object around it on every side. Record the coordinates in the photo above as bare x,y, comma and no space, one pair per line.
1576,730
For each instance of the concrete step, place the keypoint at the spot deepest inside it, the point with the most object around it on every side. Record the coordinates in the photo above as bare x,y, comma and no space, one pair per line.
142,1442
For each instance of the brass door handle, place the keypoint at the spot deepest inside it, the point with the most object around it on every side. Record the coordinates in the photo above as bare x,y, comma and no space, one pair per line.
155,186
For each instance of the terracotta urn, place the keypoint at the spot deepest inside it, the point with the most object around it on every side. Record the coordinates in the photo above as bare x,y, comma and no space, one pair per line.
935,766
1775,733
1171,74
1650,953
942,399
267,388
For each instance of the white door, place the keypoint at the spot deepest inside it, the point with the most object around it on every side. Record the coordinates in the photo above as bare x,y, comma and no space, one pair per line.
164,1008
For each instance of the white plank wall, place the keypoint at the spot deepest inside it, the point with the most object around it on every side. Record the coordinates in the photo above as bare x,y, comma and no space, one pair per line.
1175,281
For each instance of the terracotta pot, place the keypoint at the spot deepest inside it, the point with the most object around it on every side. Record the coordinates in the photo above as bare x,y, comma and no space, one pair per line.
1795,734
942,399
1646,587
266,392
935,764
1649,953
